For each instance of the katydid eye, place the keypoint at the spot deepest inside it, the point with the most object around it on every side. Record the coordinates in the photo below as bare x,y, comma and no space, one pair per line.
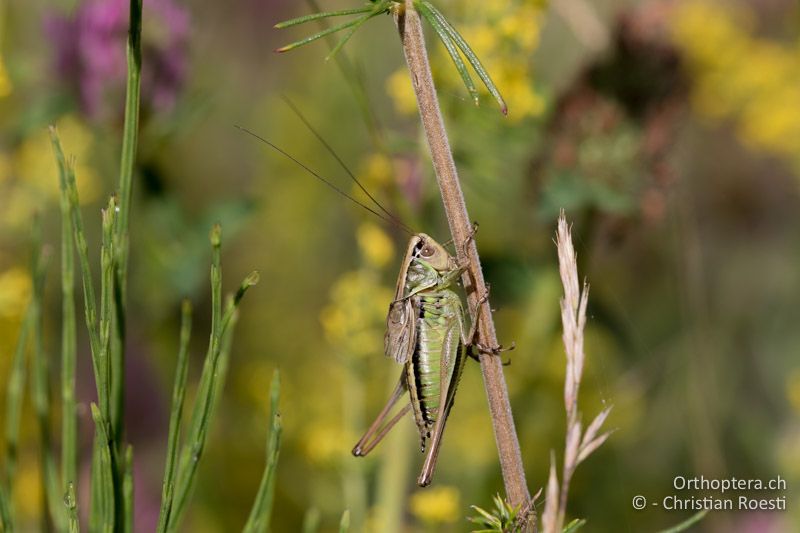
427,251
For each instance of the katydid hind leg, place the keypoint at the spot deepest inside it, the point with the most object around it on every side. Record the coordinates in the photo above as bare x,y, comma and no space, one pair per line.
380,427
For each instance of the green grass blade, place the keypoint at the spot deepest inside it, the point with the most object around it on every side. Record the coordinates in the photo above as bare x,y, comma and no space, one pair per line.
69,420
71,503
686,524
130,138
344,523
197,433
178,397
127,490
105,477
468,53
356,22
40,387
89,301
262,507
224,352
319,16
451,48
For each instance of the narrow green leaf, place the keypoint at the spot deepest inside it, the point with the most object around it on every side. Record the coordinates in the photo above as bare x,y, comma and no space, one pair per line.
259,518
318,16
486,515
176,416
683,526
575,525
452,51
349,34
468,53
356,22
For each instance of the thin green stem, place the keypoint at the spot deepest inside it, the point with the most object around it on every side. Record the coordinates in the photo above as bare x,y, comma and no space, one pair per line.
130,135
178,397
209,387
259,518
69,421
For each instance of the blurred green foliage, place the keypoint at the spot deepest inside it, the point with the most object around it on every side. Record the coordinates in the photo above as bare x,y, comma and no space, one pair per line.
669,147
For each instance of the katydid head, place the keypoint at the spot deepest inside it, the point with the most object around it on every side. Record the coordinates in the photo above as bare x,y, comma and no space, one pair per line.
433,253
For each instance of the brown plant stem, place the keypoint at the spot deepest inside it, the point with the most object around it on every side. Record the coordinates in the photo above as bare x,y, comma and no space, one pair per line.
413,41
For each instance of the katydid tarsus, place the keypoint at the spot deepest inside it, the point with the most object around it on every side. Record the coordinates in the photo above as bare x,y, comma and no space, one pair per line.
426,329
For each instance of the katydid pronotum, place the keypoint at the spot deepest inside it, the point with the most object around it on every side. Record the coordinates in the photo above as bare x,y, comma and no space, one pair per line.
426,330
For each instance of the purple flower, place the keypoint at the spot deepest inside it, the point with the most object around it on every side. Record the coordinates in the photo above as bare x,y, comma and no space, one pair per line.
90,52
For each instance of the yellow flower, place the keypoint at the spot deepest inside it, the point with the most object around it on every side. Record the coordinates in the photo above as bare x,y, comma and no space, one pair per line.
354,321
36,166
324,445
377,169
402,93
375,245
28,490
437,505
15,289
752,81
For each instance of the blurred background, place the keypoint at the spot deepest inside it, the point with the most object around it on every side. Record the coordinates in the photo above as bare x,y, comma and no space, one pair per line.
669,131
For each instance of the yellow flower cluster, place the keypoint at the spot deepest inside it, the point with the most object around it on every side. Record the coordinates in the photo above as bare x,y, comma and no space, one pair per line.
29,176
436,505
504,35
754,81
354,320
